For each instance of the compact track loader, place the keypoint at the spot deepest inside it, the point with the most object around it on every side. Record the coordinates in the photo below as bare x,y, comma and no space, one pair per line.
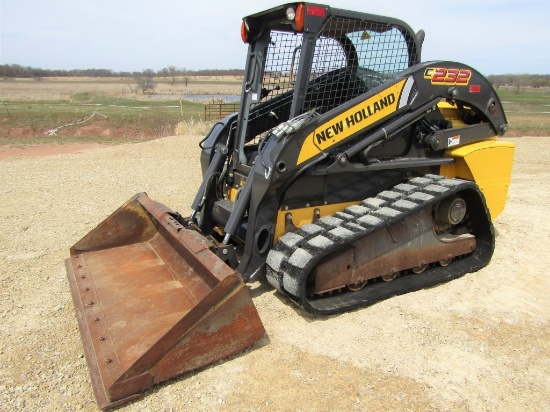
352,172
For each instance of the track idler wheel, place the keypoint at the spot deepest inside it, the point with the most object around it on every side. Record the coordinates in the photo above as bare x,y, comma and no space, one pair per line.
390,276
451,210
355,287
445,262
420,269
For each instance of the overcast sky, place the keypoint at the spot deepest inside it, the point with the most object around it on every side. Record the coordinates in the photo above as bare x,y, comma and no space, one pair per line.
493,36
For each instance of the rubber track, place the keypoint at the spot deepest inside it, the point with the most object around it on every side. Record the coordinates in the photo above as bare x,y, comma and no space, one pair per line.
297,253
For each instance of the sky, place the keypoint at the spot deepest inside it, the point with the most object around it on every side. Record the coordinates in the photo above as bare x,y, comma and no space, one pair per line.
493,36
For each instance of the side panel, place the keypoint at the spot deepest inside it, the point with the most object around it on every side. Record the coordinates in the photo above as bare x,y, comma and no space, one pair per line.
489,164
351,121
300,217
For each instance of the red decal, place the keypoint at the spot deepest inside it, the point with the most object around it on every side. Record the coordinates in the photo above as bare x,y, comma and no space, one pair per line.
316,11
475,88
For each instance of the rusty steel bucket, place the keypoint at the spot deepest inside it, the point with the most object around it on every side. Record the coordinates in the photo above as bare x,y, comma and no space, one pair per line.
153,301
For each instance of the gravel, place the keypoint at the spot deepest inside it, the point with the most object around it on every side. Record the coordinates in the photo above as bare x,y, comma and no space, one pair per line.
481,342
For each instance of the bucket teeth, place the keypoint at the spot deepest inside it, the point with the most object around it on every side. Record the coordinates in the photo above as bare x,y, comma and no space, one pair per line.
153,301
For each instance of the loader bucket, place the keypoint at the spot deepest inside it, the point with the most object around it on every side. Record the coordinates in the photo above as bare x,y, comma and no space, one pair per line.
153,301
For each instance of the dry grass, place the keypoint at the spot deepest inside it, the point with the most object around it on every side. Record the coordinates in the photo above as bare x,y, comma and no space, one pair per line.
197,88
192,127
528,124
527,111
57,89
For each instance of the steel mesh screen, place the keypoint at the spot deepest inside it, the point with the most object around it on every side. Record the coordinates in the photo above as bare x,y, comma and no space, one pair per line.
281,64
350,58
283,57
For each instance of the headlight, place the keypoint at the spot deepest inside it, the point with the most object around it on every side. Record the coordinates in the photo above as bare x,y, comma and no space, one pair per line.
290,14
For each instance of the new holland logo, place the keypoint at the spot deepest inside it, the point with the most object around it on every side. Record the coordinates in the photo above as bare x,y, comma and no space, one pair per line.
351,121
354,119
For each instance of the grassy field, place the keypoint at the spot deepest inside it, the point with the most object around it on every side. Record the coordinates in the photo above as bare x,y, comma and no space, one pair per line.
106,110
95,115
109,110
528,111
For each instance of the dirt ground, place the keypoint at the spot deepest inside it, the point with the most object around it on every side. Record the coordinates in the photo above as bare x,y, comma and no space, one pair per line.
9,152
481,342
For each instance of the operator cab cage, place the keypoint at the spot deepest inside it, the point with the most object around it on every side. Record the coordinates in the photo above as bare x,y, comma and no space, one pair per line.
304,57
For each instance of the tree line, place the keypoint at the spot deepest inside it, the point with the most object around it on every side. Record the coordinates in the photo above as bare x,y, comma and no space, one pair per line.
10,71
145,78
519,80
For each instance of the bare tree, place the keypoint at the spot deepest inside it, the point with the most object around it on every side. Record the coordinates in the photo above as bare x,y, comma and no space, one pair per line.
517,84
185,76
172,73
145,81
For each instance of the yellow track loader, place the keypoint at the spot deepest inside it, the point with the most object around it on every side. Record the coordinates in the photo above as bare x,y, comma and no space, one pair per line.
352,172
